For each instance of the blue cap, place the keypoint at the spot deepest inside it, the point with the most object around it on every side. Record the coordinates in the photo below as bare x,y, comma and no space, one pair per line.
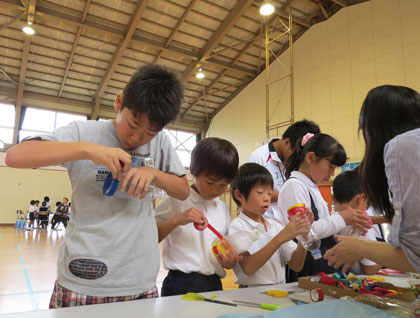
110,185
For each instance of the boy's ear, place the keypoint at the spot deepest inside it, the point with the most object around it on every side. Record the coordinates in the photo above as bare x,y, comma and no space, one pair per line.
361,200
238,195
118,102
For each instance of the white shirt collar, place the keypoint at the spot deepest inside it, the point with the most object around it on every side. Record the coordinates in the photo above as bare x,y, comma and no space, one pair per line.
254,224
197,198
304,179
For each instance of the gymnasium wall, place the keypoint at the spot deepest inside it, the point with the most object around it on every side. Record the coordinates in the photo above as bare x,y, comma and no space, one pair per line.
336,62
19,186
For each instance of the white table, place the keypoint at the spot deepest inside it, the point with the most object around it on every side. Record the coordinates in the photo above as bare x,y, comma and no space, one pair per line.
173,306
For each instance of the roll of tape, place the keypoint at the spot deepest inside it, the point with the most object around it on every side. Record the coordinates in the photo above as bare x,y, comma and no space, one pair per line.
201,226
317,294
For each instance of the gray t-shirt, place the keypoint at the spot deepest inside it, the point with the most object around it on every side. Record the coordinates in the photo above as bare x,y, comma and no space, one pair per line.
111,242
402,167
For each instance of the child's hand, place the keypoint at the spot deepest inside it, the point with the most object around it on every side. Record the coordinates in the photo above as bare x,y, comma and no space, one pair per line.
110,157
140,179
231,258
297,226
357,218
191,215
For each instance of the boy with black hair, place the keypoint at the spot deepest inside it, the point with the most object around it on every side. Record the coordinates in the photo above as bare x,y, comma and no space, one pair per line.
264,263
110,252
348,192
186,251
273,155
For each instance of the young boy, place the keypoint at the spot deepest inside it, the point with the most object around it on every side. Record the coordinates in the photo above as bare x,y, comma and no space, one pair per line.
110,252
273,155
265,261
186,250
60,214
348,192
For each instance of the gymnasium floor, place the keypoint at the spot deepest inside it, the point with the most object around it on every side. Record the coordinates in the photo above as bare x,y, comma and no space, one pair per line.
28,268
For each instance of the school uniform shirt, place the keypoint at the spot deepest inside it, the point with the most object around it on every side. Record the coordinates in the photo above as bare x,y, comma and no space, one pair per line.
402,168
267,157
356,268
187,249
273,271
296,190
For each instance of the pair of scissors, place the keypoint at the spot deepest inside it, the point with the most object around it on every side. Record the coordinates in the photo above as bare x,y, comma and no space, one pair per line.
281,293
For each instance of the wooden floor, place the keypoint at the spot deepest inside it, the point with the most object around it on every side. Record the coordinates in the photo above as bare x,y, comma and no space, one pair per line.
28,268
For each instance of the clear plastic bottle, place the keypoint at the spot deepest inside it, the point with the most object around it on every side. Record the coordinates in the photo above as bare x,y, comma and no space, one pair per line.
240,242
310,241
351,231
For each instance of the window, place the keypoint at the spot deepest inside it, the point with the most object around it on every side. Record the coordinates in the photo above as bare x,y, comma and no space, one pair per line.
7,123
40,121
183,143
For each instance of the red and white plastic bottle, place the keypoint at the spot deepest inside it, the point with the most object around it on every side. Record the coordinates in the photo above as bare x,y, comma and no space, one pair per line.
310,241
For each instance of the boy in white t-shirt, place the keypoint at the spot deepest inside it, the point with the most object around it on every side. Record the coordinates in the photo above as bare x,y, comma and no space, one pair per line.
186,251
264,263
348,193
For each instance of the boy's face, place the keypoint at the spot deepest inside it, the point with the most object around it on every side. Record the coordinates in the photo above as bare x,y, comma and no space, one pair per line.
65,201
258,201
132,131
358,202
210,187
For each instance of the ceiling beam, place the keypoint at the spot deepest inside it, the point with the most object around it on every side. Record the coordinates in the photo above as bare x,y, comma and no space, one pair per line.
95,26
16,18
23,68
217,36
341,3
324,12
229,99
219,76
131,27
73,50
175,30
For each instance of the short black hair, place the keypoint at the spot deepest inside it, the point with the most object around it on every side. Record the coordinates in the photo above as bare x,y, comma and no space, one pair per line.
299,129
216,157
44,203
249,176
346,186
156,92
46,199
36,201
32,202
57,203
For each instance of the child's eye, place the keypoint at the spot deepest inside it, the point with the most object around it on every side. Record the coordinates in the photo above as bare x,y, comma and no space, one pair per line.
259,192
131,126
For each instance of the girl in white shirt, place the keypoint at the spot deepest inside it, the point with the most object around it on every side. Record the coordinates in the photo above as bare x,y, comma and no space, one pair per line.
313,163
264,262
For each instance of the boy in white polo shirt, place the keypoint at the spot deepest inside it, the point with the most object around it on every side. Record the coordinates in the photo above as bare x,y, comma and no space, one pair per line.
186,251
264,263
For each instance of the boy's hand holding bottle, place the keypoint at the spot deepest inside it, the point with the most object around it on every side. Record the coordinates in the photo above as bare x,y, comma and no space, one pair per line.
358,219
140,179
193,215
229,258
299,225
116,159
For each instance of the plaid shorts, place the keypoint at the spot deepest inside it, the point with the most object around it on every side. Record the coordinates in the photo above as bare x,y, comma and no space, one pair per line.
63,297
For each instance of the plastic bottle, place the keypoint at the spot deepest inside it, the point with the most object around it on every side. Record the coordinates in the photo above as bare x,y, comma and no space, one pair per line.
240,242
350,231
310,241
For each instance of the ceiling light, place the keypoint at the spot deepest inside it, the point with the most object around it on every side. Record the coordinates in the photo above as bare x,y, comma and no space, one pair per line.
28,29
266,8
200,74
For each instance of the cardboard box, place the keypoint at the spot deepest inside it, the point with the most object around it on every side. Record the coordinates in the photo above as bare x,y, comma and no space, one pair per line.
337,292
